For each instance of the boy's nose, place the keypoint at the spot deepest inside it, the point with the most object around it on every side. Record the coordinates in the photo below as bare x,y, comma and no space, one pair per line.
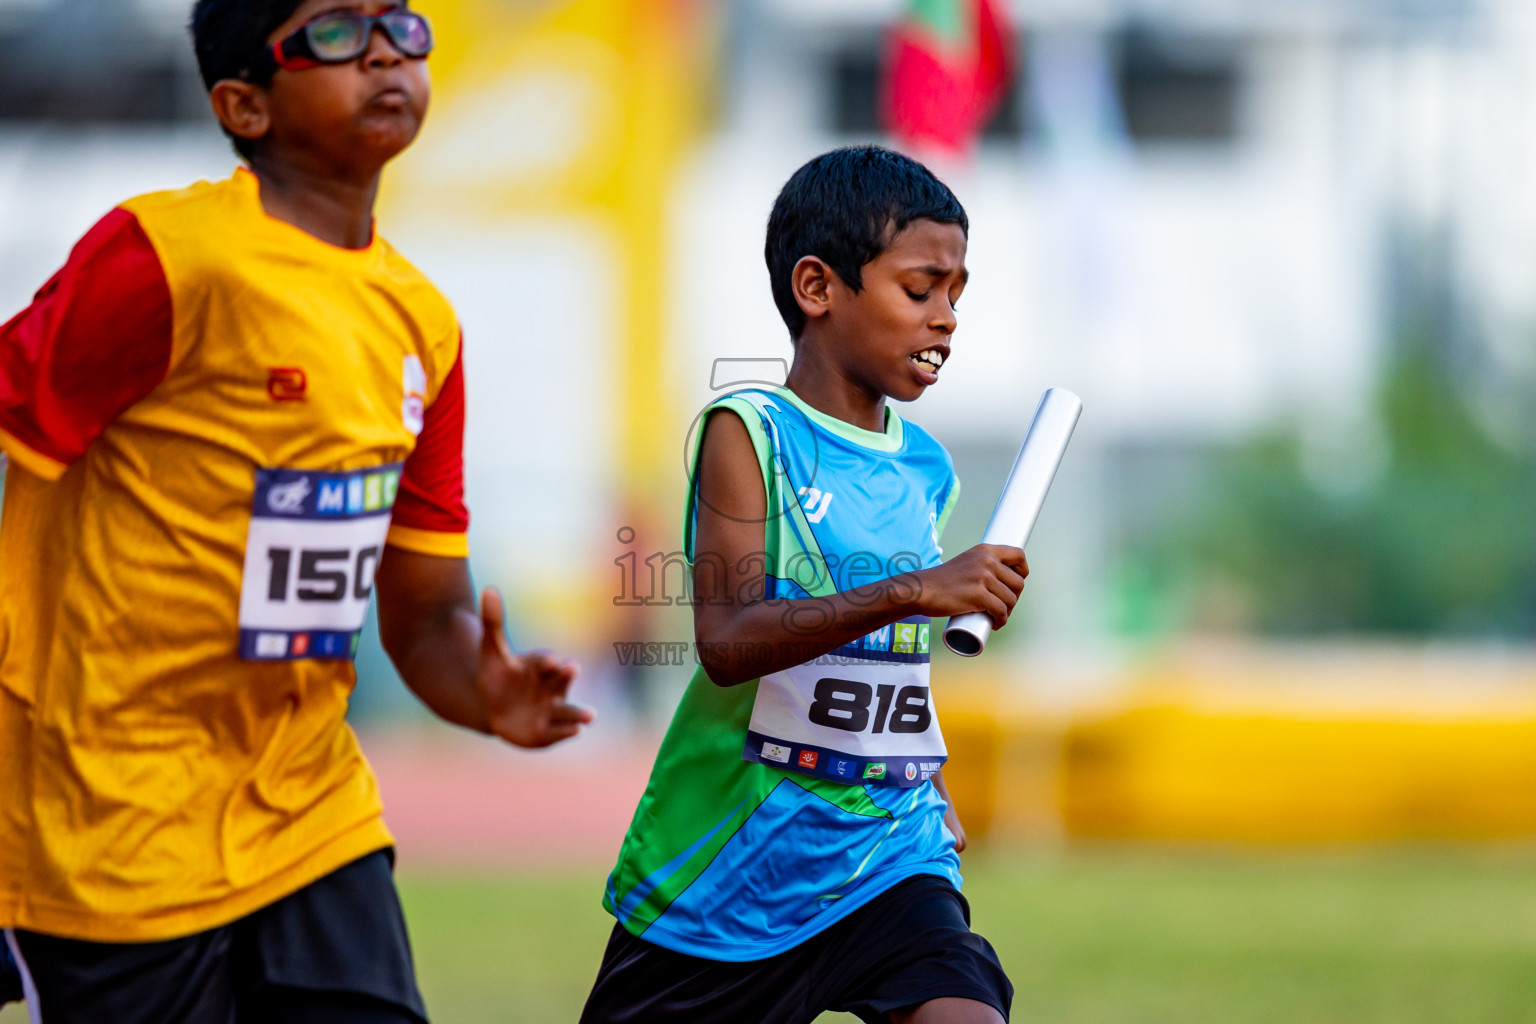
381,50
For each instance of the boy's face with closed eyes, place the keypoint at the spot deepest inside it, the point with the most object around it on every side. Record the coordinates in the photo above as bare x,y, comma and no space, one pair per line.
892,335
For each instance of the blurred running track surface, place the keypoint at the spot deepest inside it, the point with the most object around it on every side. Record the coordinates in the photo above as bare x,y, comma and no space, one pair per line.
460,801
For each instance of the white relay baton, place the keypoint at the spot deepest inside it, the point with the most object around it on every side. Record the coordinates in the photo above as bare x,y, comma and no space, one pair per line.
1019,505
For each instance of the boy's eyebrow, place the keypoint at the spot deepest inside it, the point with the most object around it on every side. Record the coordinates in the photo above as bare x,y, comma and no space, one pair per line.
938,270
367,6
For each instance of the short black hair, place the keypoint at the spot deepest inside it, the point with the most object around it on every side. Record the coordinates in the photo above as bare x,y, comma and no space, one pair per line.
846,207
227,34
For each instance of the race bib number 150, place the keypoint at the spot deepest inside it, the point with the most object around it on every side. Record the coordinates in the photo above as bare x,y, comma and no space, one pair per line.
310,558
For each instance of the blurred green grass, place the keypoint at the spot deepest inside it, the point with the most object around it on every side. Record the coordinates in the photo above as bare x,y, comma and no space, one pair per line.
1101,935
1093,935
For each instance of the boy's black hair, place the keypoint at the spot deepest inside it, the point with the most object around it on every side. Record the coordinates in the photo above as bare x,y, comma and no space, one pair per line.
227,34
846,207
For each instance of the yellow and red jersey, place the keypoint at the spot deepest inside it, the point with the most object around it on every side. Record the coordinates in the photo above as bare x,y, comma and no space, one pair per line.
216,422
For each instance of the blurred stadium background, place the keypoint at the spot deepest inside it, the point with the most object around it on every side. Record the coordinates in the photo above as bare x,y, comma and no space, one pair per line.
1261,743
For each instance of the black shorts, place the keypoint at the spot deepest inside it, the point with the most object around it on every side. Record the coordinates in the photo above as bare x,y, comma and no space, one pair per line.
907,946
334,952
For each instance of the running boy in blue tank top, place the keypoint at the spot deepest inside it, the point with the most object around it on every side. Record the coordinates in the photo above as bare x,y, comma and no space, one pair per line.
795,850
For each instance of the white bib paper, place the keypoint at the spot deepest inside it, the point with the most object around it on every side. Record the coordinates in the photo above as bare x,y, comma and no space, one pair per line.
862,714
311,554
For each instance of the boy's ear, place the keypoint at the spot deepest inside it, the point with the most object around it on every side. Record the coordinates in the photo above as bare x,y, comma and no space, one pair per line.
811,281
241,108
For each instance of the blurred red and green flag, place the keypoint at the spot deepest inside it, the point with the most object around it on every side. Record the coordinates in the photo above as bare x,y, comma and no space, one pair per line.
948,71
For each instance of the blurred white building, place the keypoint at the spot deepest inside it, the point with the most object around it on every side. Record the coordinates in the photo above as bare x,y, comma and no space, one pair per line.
1181,212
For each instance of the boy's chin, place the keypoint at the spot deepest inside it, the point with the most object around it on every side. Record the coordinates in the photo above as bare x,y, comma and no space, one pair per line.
906,391
384,142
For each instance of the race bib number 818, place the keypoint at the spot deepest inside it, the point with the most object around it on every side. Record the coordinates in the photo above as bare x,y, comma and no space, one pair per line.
862,714
310,557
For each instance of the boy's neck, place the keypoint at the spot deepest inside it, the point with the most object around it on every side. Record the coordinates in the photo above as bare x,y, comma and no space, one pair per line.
335,211
827,388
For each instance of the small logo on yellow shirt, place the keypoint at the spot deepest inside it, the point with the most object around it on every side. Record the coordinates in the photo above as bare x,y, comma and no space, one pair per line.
286,384
413,409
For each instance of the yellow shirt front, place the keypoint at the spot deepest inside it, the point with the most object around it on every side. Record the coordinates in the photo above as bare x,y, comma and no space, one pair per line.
200,377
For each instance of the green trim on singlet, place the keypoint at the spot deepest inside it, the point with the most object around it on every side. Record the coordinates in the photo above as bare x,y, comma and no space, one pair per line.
949,506
853,799
788,543
744,787
889,441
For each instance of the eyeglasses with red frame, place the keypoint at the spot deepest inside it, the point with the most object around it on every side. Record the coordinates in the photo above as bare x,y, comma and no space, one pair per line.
336,37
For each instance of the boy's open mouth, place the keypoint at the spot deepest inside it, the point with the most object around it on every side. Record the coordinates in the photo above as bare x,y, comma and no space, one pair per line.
929,359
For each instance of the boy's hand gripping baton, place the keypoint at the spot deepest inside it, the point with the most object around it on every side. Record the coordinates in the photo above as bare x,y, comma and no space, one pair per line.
1019,505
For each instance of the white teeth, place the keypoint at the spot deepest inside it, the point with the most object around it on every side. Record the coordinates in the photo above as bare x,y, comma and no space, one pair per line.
931,356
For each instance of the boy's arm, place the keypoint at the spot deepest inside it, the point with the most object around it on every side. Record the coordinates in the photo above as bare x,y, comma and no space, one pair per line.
741,636
451,653
456,658
95,340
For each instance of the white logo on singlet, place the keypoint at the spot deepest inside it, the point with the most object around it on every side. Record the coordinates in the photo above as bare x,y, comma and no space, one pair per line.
816,502
289,498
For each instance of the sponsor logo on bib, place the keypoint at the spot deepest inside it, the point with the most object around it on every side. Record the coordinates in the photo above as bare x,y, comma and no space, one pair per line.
312,549
774,752
288,499
865,705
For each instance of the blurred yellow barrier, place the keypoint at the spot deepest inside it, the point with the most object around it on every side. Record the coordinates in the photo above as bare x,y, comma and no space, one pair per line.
1181,773
1262,748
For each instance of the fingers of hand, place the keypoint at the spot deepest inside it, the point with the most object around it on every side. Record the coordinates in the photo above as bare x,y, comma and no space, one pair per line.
1010,578
571,714
1002,591
1010,556
555,675
493,618
492,609
995,609
556,733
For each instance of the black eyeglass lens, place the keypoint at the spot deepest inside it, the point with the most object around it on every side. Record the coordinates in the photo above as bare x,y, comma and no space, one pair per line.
409,31
337,37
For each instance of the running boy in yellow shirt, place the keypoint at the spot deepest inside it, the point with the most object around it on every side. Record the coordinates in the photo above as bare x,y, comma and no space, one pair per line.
233,415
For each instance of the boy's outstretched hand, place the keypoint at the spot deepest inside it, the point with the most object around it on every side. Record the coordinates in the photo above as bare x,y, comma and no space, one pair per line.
452,652
987,578
525,694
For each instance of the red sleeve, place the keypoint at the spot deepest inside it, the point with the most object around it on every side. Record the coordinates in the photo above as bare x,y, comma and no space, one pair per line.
95,340
430,515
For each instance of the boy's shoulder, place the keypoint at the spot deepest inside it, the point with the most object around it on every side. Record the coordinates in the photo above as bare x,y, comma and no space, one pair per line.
206,224
918,439
214,223
404,274
773,404
165,201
